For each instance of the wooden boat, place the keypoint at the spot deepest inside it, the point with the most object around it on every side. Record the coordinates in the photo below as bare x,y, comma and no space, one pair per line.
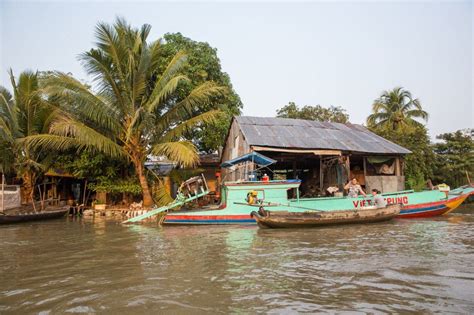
235,204
234,210
285,219
32,216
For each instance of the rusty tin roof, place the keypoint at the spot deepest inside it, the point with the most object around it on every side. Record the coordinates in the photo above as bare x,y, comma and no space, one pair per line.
308,134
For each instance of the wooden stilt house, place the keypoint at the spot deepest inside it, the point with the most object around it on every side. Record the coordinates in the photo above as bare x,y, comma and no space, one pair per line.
321,154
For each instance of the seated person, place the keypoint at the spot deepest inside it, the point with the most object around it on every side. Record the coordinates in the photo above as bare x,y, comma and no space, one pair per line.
378,200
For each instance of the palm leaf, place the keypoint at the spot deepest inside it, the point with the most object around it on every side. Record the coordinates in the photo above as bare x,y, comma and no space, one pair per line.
198,97
177,132
182,152
77,99
86,136
174,66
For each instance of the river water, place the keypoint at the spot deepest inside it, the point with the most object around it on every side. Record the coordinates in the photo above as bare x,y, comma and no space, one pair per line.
101,266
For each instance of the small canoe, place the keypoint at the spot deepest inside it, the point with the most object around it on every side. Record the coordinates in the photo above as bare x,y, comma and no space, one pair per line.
32,216
285,219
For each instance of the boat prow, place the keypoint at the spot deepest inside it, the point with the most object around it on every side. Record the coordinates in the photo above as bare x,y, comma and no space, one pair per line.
284,219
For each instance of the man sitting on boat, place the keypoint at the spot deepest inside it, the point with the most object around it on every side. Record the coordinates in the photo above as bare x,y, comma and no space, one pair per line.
378,200
354,189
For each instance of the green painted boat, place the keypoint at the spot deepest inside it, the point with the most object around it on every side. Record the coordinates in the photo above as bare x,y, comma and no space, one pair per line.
273,195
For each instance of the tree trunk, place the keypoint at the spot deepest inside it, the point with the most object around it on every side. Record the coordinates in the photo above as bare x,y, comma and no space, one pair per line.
28,187
146,194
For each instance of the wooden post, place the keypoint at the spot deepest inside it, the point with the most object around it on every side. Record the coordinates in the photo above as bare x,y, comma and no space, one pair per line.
44,194
365,173
3,192
321,175
348,167
365,167
294,169
41,198
397,167
84,196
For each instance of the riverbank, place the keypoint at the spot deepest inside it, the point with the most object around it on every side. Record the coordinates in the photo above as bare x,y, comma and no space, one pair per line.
99,265
118,214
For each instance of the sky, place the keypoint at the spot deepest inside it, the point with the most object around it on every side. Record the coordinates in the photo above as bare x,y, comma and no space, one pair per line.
327,53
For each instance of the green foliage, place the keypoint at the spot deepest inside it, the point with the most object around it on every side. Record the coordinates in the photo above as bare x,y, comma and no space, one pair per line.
454,157
141,102
396,110
393,117
24,114
203,65
88,165
419,164
127,185
319,113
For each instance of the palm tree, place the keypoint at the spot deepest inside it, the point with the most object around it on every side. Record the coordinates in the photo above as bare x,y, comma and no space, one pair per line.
132,110
22,115
396,109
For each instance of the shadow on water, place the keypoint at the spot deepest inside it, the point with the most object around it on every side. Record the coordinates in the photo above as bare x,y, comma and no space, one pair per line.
103,266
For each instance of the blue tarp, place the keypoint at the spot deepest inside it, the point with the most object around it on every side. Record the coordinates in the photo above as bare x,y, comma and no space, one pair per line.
254,157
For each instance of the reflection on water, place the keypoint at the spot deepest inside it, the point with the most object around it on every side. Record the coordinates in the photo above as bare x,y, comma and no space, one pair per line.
102,266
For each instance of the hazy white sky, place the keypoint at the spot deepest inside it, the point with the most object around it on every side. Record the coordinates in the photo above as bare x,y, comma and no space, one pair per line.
328,53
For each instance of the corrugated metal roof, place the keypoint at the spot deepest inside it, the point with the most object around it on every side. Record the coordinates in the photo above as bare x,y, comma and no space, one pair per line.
308,134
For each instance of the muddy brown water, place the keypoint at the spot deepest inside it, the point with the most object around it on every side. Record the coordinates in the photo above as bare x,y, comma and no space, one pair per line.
86,266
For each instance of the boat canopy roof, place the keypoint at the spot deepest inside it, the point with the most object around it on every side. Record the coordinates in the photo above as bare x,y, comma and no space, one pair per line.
254,157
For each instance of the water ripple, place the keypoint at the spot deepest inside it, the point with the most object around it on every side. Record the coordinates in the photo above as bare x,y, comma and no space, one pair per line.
85,266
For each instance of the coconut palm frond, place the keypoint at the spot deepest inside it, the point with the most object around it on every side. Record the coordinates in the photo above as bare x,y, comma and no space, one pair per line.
396,109
100,65
182,152
76,98
376,118
165,92
155,54
417,113
177,132
49,142
5,97
6,134
86,136
161,194
198,97
110,42
174,66
139,81
7,117
379,105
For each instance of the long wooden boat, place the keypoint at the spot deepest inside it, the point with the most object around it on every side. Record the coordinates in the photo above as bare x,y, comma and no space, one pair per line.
32,216
309,219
